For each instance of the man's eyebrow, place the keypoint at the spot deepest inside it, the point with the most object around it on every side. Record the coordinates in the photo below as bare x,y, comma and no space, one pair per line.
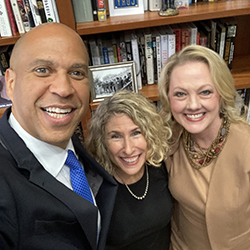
41,62
80,65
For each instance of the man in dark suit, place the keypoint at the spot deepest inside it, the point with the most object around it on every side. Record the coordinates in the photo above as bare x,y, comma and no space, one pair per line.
48,85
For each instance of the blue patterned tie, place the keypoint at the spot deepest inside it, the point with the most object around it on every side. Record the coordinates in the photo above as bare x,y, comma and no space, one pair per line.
78,178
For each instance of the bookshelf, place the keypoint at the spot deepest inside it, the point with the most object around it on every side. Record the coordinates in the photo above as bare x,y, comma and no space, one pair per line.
240,9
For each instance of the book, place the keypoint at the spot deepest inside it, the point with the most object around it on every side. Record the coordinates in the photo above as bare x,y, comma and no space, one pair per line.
50,10
123,51
41,11
164,45
141,47
221,37
203,39
94,9
212,25
114,47
202,26
185,34
99,44
193,33
83,11
177,31
28,13
101,10
11,17
5,27
154,57
136,58
231,28
4,59
149,56
157,61
24,16
94,52
171,40
17,16
35,13
127,37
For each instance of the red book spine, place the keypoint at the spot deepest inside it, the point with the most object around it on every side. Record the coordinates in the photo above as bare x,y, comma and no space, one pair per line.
11,17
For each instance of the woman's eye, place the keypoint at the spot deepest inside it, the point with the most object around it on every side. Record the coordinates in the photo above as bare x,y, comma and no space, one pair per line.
115,136
206,92
179,94
137,133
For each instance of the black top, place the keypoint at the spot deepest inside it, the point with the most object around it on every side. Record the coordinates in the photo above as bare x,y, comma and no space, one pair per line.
142,224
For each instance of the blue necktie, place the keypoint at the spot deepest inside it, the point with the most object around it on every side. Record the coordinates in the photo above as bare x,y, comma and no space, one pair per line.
78,178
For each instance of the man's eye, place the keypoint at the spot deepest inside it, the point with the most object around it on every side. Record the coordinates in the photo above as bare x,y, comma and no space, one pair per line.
78,74
42,70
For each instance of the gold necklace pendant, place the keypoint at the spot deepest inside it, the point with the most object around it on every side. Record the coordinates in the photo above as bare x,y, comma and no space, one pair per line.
205,156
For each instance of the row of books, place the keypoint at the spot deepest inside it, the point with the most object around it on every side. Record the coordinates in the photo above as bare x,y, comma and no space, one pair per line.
150,48
245,97
19,16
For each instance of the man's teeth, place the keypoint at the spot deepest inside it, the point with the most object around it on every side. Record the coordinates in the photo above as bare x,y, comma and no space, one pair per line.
195,116
130,160
57,112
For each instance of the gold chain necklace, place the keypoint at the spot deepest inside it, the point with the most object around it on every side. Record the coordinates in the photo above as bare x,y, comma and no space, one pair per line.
204,157
130,191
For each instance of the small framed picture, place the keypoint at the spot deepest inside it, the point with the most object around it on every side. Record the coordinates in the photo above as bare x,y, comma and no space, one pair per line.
107,79
125,7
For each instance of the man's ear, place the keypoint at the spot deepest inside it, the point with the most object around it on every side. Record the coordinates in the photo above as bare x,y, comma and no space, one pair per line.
10,77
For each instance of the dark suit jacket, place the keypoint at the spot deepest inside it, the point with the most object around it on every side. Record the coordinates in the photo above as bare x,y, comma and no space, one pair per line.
37,211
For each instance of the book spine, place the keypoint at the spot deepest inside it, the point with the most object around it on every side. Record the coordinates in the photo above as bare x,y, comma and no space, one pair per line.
55,11
94,51
94,8
141,46
158,56
177,39
101,10
83,11
164,49
123,51
29,14
105,54
11,17
171,44
185,38
49,12
99,44
23,15
17,15
4,61
5,26
135,52
149,58
41,11
154,59
35,13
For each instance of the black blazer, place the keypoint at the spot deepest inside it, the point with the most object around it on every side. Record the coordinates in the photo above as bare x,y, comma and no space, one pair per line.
37,211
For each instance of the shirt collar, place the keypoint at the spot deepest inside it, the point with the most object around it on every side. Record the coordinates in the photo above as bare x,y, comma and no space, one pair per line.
51,157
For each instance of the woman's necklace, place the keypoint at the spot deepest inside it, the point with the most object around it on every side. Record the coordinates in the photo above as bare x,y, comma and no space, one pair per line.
204,156
146,189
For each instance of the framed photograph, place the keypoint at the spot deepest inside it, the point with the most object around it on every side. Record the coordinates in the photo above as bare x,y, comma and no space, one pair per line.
125,7
107,79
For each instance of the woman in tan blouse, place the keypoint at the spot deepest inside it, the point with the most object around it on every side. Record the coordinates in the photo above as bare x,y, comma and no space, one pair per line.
209,163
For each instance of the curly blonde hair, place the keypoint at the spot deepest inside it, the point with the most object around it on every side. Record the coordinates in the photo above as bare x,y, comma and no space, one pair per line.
142,112
220,74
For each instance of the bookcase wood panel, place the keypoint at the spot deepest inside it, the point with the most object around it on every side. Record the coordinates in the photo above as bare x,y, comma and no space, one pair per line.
196,12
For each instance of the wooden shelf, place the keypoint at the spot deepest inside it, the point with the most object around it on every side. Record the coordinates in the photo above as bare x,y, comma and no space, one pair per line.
196,12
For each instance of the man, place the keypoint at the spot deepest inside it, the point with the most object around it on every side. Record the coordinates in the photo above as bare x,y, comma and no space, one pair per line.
48,85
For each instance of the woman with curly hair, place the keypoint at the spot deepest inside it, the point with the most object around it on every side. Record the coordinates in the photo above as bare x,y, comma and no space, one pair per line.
209,162
128,138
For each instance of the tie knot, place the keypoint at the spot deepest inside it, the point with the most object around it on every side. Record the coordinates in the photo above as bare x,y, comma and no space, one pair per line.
72,161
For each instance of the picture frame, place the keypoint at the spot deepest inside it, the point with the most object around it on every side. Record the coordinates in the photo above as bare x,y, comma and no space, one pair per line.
107,79
125,7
